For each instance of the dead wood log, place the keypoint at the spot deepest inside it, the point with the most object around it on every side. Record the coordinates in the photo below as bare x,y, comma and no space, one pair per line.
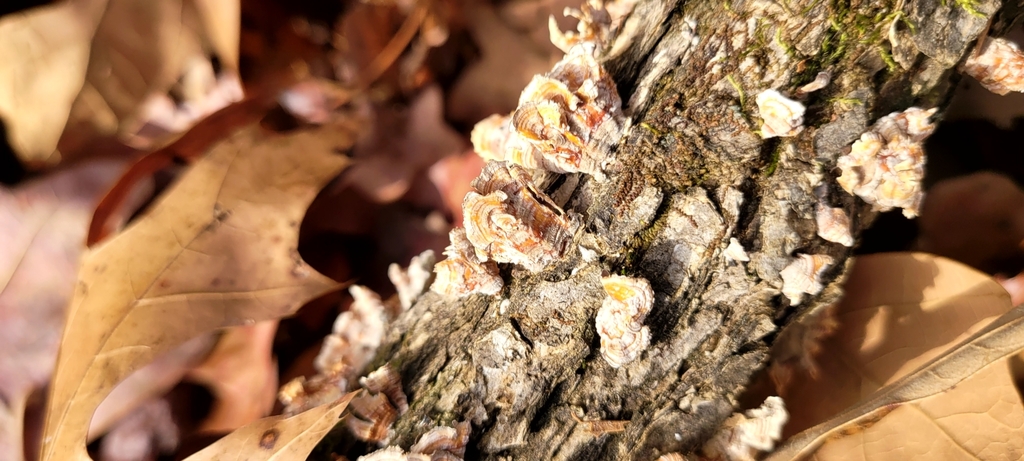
524,365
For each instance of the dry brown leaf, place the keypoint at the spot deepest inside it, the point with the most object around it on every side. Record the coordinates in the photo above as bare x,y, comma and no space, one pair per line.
401,144
167,44
149,430
42,230
277,437
923,327
218,249
509,60
242,375
123,56
45,52
976,219
149,383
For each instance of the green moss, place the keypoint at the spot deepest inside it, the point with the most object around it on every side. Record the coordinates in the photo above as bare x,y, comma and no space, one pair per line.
637,244
844,102
773,164
739,89
970,6
886,55
650,129
790,51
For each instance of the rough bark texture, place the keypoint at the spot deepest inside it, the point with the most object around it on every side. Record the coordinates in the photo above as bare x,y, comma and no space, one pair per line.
692,173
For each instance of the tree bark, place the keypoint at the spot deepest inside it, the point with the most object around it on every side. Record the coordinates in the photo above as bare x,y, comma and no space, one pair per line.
692,173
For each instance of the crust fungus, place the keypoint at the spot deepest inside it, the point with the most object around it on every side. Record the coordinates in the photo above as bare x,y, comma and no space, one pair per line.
833,225
782,116
743,436
803,276
357,334
886,165
510,221
620,319
441,443
352,344
820,81
463,274
998,65
412,282
735,252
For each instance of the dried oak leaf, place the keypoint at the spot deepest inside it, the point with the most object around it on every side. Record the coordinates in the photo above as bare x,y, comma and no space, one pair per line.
217,250
148,383
110,65
241,373
45,52
42,230
917,370
277,437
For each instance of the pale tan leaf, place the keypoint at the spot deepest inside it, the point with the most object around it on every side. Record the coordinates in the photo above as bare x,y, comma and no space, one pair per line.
277,437
129,53
219,249
142,48
149,382
921,327
900,310
42,233
44,52
241,373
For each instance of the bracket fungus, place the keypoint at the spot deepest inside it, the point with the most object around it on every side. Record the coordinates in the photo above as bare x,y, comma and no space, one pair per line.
568,119
998,65
620,319
782,116
462,273
508,220
833,224
886,165
803,276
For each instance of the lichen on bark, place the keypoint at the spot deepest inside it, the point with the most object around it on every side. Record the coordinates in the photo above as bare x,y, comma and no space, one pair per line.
690,174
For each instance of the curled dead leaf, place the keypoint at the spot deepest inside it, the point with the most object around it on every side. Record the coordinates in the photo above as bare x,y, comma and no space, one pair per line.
277,437
217,250
917,370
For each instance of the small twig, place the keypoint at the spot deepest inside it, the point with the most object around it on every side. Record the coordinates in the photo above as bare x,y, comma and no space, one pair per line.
600,427
394,48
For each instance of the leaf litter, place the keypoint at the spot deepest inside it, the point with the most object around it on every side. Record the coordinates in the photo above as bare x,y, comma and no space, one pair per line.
220,247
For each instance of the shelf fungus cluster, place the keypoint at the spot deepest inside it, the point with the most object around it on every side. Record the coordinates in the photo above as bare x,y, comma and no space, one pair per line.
833,224
441,443
782,117
620,321
568,119
745,435
378,405
886,165
592,28
351,345
507,220
998,65
803,276
412,281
